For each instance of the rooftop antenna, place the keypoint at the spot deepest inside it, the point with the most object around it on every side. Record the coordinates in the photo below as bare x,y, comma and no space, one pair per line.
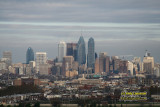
146,54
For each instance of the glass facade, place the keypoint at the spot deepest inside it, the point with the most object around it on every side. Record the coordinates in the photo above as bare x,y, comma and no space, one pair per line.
81,51
91,53
29,55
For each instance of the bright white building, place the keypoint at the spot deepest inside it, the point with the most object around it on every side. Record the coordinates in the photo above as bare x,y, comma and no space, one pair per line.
156,72
61,51
41,58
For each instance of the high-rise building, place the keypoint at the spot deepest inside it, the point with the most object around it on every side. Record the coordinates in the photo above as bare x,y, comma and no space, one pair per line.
41,58
61,51
137,62
67,64
130,67
123,66
8,55
115,63
148,63
29,55
81,51
72,50
91,53
103,62
43,69
96,67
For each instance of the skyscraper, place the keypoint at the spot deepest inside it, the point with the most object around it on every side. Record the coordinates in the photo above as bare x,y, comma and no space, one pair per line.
67,64
148,63
41,58
91,53
8,55
72,50
29,55
61,51
81,51
103,63
96,67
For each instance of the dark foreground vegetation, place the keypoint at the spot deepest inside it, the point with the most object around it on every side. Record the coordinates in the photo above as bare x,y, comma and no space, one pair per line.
11,90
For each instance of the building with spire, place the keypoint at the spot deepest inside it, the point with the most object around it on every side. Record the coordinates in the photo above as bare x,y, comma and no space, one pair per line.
148,63
91,53
81,51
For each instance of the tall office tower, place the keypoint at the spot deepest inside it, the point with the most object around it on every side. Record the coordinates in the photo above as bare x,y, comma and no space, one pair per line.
91,53
123,66
103,63
29,55
81,51
130,67
114,62
96,67
137,62
41,58
72,50
148,63
67,64
8,55
107,63
61,51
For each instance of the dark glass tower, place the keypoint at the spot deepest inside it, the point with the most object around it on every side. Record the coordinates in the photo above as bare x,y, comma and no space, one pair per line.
81,51
91,53
29,55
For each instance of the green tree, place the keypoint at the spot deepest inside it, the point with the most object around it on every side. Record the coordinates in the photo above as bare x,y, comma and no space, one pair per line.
99,105
37,104
110,105
15,106
28,105
21,105
8,105
93,104
1,105
55,102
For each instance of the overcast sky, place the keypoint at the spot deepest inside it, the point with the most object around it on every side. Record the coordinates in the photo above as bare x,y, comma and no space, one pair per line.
119,27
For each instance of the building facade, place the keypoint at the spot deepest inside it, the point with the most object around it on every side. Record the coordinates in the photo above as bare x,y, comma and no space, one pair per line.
8,55
96,67
67,64
61,51
29,55
148,63
91,53
81,51
41,58
103,63
72,50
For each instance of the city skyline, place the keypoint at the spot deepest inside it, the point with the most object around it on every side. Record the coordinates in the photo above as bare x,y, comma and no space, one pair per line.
125,56
76,53
118,27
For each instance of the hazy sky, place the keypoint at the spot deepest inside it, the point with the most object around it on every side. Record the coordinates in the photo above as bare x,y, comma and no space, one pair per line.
119,27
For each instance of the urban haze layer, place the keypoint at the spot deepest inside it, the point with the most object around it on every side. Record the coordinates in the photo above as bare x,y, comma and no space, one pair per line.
79,53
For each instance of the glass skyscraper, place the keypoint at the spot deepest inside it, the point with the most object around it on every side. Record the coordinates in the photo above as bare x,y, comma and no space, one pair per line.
29,55
81,51
91,53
